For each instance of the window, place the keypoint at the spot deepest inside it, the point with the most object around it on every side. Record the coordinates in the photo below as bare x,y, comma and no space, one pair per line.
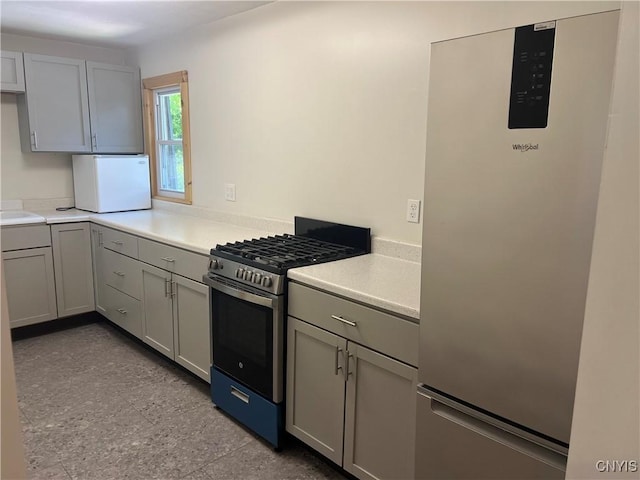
166,103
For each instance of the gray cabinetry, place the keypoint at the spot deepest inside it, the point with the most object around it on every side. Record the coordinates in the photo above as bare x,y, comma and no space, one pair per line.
114,108
315,387
158,309
29,277
75,106
118,278
176,308
12,70
353,404
150,290
71,244
54,112
98,268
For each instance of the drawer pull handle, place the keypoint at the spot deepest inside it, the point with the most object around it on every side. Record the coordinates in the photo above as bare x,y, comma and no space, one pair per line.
168,259
343,320
117,242
240,395
122,311
120,274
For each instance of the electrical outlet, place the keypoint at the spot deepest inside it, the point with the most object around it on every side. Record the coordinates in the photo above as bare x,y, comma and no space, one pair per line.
230,192
413,211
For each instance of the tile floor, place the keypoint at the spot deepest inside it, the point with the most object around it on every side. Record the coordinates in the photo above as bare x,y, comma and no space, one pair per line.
96,404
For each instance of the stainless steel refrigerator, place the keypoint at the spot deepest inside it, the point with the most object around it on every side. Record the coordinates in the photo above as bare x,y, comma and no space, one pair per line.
516,131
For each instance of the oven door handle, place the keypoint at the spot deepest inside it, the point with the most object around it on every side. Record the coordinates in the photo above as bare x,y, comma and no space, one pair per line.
241,294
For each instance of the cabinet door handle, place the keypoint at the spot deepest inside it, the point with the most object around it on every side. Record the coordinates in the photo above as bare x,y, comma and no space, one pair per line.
35,139
343,320
173,289
168,259
100,241
120,274
240,395
167,287
337,366
348,371
95,140
122,311
117,242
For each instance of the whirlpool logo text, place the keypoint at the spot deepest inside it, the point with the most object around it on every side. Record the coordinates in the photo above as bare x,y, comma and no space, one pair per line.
525,147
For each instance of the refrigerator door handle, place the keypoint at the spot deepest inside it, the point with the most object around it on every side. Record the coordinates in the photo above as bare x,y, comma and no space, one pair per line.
512,437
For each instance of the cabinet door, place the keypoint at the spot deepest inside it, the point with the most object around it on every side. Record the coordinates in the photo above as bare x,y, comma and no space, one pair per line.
115,108
315,387
380,417
12,71
71,245
31,291
97,250
191,326
56,115
157,329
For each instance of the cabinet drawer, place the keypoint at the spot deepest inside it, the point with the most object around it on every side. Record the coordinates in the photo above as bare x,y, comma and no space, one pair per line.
123,310
123,273
120,242
188,264
377,330
27,236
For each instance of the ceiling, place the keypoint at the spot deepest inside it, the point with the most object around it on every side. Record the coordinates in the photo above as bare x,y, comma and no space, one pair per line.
114,23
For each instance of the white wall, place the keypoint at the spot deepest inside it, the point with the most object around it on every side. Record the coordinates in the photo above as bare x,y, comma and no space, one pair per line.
606,419
29,176
319,108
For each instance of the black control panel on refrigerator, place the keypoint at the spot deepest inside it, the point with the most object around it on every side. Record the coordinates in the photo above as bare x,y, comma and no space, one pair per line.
531,75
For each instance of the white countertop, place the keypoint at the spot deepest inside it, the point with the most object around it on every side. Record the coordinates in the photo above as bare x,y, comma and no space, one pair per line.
191,233
383,282
387,283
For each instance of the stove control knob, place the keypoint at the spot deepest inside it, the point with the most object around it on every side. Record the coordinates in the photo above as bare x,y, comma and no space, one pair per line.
247,275
214,264
257,278
266,282
239,272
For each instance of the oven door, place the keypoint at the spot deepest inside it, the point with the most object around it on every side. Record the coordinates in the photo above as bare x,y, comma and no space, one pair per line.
247,329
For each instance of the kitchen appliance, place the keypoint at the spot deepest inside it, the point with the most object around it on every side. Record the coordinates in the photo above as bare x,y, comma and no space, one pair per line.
517,124
247,282
111,183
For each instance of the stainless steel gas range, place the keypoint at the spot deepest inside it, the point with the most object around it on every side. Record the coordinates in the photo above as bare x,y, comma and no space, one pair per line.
248,314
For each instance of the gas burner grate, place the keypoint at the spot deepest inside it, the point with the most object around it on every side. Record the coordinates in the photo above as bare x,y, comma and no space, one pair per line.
286,251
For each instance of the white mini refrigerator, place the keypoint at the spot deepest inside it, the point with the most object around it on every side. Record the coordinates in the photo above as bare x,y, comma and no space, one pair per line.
111,183
516,133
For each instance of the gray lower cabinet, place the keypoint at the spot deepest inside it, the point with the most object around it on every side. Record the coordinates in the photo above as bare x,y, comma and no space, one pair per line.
71,245
158,309
142,286
28,274
31,292
97,254
117,278
176,318
176,308
349,402
353,405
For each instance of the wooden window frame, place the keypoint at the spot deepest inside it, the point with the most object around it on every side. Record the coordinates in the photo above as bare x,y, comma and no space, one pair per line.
149,85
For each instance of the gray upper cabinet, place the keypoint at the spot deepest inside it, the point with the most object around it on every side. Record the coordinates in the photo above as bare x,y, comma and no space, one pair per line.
75,106
115,108
12,71
54,112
